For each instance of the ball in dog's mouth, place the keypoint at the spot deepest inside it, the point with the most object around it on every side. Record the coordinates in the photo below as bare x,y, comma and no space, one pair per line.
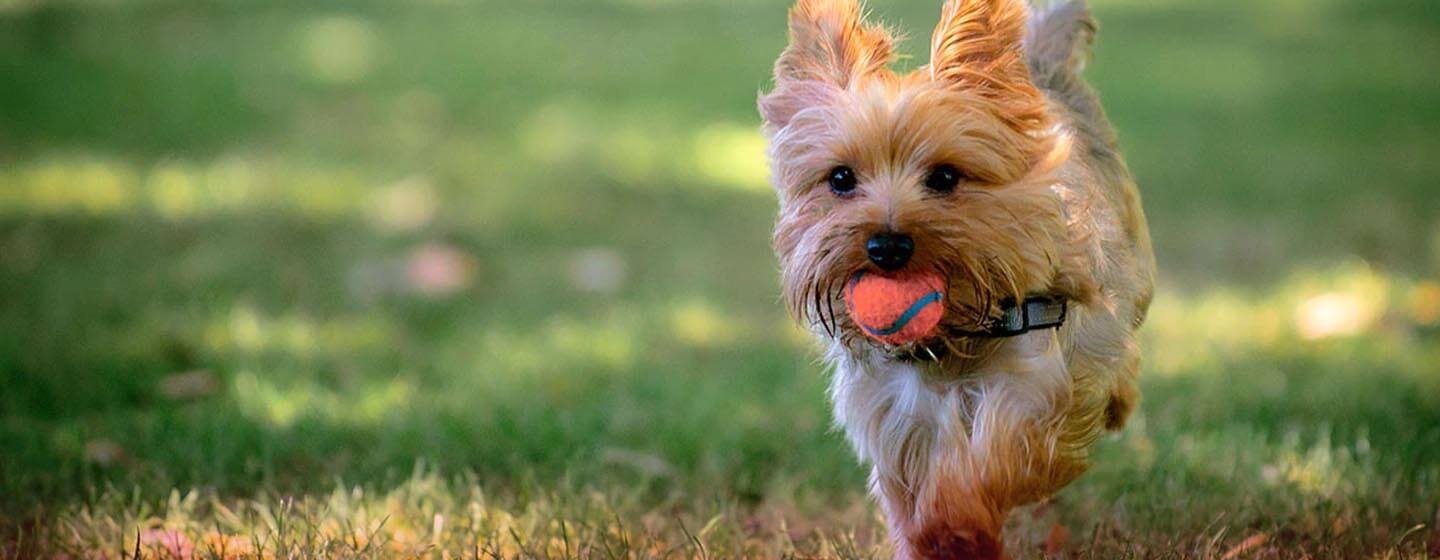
896,308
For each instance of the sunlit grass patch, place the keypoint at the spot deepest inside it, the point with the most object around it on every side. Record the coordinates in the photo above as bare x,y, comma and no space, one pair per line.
430,516
278,403
102,186
1196,332
246,330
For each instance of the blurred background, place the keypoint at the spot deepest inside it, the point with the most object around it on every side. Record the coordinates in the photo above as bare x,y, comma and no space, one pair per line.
393,263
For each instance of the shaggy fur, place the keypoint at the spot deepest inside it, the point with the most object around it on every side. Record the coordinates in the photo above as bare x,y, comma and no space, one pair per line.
959,430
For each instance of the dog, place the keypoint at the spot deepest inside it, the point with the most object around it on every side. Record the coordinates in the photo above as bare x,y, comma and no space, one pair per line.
995,168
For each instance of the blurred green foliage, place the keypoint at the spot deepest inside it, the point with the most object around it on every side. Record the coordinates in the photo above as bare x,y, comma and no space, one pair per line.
264,246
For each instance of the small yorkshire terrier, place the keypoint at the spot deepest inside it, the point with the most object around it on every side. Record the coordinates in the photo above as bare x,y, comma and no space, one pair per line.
994,171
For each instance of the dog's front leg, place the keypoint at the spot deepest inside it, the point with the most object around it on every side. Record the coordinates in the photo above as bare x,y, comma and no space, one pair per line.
948,518
945,507
987,444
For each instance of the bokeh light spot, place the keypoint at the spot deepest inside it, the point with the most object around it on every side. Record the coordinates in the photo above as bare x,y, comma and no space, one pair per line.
732,155
338,49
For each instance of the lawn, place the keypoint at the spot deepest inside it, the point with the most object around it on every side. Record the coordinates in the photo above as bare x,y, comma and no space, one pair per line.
492,279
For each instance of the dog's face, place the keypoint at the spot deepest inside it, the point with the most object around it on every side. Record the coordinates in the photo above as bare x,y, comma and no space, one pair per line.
948,168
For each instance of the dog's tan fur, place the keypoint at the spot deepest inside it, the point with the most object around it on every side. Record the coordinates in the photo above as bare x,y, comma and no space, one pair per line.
958,429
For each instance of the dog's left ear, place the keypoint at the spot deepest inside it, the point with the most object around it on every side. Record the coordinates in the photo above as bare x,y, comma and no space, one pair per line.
979,46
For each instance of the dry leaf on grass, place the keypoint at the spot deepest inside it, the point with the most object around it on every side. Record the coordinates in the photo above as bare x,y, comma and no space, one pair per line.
1055,541
104,452
189,385
438,269
1250,543
173,544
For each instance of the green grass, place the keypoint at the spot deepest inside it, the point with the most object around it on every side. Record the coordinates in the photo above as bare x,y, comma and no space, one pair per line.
209,337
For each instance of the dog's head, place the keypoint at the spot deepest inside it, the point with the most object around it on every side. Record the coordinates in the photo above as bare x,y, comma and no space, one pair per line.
948,168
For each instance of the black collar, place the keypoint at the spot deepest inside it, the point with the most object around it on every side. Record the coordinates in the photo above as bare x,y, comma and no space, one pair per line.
1032,314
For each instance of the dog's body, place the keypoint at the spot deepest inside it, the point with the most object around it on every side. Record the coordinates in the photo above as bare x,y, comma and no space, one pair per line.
960,429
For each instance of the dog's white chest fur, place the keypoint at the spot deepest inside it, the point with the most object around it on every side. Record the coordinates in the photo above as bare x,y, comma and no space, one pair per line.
904,419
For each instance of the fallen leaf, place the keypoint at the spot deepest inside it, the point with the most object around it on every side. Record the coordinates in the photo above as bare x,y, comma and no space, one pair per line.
104,452
189,385
1250,543
1055,541
437,269
1340,526
174,543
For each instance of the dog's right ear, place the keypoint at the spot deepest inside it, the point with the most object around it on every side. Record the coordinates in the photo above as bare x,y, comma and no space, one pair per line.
831,48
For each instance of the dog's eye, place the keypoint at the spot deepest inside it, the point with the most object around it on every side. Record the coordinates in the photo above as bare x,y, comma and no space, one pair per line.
943,178
842,180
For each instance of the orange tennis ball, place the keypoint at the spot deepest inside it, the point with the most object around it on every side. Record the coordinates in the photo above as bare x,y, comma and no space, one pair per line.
897,308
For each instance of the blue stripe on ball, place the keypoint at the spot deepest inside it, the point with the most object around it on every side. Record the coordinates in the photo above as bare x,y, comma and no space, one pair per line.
904,318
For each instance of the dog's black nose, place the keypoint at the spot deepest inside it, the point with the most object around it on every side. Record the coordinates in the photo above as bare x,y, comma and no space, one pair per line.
890,251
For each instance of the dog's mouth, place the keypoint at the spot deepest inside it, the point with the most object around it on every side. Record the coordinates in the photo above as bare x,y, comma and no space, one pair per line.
946,335
933,350
928,311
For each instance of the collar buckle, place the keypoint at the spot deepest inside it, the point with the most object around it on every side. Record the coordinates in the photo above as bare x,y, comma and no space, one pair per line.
1034,313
